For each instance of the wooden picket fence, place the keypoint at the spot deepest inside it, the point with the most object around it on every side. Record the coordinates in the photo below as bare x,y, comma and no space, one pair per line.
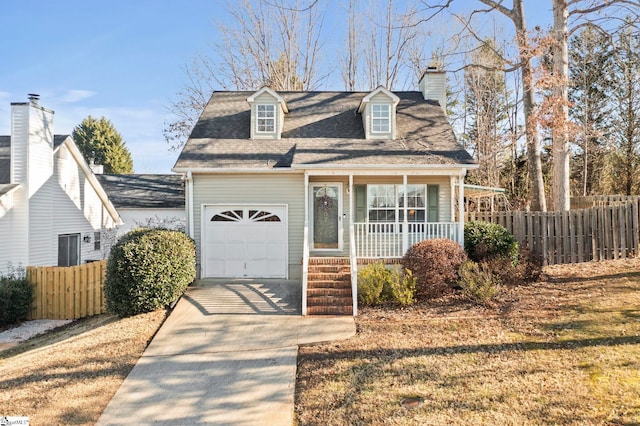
68,292
607,230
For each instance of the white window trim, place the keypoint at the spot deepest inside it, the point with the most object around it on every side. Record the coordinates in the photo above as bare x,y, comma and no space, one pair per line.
272,118
386,116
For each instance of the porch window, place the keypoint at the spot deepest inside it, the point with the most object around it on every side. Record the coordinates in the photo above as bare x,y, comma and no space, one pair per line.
266,118
385,204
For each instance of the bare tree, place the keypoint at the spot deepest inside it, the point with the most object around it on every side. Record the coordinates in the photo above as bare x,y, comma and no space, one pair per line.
387,37
275,43
526,52
581,13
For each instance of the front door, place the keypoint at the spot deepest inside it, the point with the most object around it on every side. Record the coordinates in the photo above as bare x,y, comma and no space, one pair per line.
326,216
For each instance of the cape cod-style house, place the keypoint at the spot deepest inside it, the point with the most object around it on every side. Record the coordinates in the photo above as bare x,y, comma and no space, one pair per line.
307,185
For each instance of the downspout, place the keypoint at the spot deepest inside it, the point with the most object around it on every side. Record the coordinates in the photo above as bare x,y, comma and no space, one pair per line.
189,204
463,172
352,250
305,245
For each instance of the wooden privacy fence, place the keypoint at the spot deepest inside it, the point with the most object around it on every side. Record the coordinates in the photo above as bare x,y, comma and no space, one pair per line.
68,292
598,233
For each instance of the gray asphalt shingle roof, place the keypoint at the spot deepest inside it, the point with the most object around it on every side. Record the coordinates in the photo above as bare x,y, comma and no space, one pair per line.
144,190
322,128
5,159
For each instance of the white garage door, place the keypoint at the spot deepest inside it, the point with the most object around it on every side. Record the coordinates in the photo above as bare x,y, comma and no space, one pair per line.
245,241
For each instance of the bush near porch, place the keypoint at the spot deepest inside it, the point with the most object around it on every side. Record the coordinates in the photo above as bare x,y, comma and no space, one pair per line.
434,263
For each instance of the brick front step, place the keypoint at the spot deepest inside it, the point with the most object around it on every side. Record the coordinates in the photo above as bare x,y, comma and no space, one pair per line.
328,284
330,310
323,292
329,301
329,269
313,276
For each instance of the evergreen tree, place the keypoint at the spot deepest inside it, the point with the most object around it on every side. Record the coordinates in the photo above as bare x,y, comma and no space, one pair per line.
624,158
98,140
590,73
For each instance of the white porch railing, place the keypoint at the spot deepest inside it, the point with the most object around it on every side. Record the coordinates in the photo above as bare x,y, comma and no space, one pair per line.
392,239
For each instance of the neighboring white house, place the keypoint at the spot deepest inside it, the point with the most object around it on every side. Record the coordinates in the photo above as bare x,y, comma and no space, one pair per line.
280,183
52,208
146,200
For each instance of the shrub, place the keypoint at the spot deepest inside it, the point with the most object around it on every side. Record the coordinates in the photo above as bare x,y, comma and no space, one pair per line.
371,279
476,283
148,269
484,240
434,264
401,287
527,270
16,296
378,284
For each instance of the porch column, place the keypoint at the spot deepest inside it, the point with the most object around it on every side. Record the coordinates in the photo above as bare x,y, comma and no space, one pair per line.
352,249
305,242
405,222
461,207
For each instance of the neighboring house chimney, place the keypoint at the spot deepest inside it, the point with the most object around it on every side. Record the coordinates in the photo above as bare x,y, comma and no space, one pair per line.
97,169
433,85
31,144
31,167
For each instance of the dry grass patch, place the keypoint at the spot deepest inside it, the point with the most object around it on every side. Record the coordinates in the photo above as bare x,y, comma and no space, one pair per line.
68,376
564,351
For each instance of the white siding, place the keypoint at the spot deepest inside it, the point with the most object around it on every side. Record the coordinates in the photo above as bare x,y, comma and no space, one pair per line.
255,189
19,217
9,232
40,160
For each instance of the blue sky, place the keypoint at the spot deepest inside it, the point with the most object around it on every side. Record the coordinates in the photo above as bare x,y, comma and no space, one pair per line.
122,59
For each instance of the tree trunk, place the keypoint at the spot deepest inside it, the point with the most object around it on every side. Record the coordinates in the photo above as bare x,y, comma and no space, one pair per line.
538,200
561,185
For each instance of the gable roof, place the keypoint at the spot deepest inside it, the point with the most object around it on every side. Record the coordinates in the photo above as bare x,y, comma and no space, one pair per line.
144,190
392,97
322,129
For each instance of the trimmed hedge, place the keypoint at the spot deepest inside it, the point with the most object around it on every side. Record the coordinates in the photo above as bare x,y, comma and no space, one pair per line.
148,269
434,264
16,296
484,240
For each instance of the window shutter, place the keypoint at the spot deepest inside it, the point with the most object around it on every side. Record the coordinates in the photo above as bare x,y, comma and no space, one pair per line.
433,203
360,203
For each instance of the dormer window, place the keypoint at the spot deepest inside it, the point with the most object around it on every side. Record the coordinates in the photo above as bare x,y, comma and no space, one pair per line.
378,111
266,116
380,118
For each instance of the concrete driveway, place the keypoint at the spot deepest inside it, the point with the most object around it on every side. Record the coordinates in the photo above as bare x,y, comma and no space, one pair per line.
225,356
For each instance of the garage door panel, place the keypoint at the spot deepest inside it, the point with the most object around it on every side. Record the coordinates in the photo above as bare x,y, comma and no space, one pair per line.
245,241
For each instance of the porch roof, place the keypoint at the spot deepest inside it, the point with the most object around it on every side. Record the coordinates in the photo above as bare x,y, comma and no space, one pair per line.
321,129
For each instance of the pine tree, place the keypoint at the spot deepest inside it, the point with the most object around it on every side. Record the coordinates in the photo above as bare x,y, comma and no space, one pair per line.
590,73
98,140
625,155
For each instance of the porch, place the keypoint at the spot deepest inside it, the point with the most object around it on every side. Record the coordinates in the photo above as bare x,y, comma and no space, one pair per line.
361,217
